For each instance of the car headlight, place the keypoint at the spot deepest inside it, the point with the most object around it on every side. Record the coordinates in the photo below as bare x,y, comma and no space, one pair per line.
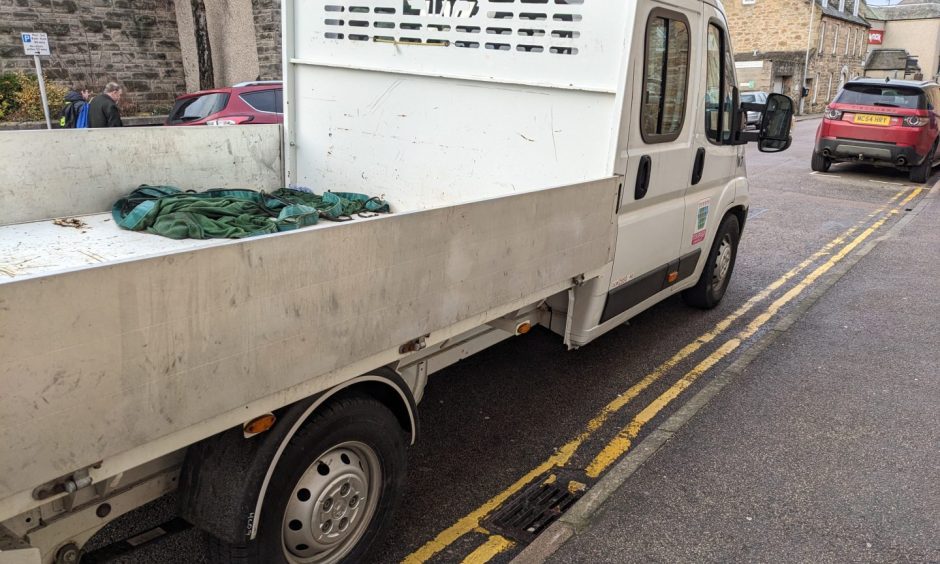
915,121
833,114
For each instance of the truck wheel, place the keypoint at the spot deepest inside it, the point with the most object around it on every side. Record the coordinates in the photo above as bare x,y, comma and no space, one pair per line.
333,491
714,280
820,163
921,172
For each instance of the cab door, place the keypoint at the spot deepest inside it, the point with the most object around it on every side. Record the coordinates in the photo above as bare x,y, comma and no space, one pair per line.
718,165
657,150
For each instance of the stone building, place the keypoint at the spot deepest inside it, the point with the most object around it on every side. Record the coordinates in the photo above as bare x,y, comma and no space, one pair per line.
779,42
147,45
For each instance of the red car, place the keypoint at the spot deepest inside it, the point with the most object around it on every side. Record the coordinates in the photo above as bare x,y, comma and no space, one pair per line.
881,122
246,102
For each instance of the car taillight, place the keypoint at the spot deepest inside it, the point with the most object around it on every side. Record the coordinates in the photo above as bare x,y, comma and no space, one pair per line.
833,114
230,120
915,121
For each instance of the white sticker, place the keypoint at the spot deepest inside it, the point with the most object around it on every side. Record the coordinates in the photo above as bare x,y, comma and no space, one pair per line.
701,219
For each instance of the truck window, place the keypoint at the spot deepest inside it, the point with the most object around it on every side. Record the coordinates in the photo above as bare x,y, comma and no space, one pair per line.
719,79
665,78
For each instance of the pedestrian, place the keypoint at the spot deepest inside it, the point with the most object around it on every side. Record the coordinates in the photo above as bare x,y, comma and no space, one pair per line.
103,111
75,102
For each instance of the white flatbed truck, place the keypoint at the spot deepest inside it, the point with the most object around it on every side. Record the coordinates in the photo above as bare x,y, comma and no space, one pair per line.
565,164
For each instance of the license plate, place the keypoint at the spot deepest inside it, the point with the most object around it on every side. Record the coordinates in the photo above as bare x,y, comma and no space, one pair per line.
869,119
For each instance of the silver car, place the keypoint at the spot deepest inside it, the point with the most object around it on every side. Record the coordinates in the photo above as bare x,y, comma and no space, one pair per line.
753,118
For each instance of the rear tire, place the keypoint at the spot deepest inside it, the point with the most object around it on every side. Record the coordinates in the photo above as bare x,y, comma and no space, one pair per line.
716,275
333,491
820,163
922,172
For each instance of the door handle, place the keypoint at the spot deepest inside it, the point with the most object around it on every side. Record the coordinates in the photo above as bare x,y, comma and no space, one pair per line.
643,177
699,167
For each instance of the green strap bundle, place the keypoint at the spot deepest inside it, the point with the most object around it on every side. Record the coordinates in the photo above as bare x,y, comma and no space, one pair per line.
233,214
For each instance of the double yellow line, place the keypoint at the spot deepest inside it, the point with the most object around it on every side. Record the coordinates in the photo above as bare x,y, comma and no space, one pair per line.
622,442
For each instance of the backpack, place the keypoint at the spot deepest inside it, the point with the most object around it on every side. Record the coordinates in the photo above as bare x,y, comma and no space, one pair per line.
74,114
82,120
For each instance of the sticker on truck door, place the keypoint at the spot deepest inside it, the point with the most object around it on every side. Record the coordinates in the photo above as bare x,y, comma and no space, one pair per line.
701,220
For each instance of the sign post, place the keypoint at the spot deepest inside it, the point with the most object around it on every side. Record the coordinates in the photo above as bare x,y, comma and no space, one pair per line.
37,44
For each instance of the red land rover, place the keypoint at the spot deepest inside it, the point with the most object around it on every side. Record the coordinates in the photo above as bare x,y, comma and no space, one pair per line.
881,122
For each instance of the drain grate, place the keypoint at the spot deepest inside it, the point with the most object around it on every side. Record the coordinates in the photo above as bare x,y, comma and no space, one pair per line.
534,509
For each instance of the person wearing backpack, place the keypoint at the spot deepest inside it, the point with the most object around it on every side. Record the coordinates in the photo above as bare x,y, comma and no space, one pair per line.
103,110
76,104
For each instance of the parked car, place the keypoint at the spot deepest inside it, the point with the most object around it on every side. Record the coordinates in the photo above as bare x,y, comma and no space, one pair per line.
753,118
882,122
246,102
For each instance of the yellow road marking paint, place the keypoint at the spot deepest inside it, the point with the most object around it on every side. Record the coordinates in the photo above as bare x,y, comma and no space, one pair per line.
485,552
575,487
561,456
622,442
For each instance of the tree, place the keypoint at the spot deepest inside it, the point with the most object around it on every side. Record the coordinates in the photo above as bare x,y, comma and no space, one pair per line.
203,48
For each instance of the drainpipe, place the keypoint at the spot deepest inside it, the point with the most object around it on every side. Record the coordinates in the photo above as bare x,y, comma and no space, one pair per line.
809,44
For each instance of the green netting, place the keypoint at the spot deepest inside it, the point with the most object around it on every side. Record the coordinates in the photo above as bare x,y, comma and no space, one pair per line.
233,214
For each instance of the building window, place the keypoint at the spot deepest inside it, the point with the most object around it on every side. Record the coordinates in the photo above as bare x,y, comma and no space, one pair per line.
855,8
861,42
815,88
825,3
835,39
666,77
829,91
822,37
841,5
847,36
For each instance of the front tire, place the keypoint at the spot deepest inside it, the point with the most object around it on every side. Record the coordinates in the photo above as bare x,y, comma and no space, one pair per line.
713,282
334,490
820,163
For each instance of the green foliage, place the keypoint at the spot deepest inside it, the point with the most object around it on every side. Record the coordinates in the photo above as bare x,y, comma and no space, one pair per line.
10,84
20,99
29,100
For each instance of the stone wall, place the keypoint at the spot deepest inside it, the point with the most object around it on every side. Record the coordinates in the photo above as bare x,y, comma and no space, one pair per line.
134,42
268,37
768,25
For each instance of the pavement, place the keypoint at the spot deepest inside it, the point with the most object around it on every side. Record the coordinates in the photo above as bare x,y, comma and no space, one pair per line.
820,444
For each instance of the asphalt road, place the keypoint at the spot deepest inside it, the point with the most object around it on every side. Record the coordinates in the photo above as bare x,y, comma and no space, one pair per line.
495,418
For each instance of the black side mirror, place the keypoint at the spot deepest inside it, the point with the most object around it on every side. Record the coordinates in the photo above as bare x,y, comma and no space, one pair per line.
774,133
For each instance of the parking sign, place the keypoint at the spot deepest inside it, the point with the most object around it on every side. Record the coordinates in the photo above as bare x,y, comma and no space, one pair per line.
35,43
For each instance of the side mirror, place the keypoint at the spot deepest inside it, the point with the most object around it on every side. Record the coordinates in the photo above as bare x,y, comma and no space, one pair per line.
774,133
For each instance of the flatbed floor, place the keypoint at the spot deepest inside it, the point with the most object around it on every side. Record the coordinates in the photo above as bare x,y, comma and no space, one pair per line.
40,248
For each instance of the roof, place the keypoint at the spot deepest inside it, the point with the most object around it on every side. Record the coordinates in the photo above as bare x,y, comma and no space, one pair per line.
833,12
911,83
908,10
887,59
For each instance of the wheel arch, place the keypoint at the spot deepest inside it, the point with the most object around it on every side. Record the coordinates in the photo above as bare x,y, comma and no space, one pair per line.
738,211
219,488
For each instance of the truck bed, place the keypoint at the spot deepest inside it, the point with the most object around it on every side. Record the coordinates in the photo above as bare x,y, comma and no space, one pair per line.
119,347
